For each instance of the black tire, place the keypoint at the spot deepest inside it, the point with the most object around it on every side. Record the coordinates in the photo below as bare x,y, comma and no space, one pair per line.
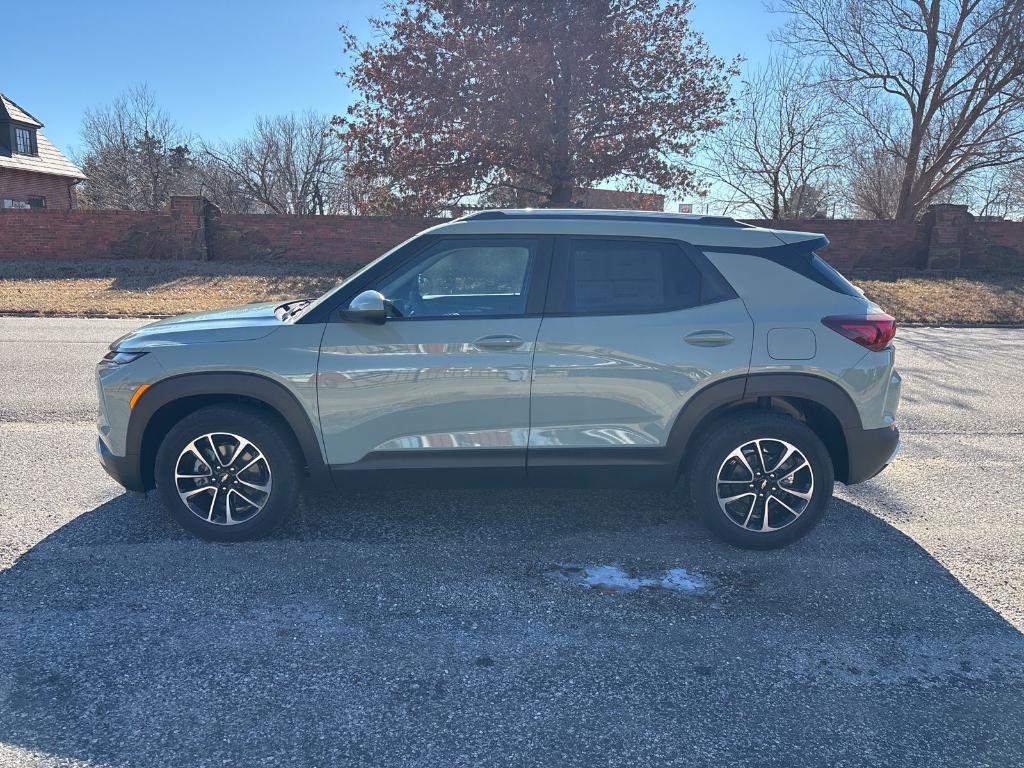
279,465
720,440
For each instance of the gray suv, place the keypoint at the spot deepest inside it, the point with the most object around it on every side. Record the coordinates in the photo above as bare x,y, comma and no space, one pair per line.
584,348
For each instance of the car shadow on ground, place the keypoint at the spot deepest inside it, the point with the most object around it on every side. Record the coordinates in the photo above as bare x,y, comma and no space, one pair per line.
438,629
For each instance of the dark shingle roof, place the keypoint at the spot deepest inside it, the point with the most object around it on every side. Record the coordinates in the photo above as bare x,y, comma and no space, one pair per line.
16,113
49,160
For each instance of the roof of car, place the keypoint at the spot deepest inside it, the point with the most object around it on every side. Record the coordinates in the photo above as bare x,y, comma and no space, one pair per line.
704,231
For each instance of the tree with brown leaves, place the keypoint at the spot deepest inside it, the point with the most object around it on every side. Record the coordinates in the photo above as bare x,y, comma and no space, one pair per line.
460,98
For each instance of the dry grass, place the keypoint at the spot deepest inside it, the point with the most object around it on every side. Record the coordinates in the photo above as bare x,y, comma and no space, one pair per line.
126,288
969,299
160,288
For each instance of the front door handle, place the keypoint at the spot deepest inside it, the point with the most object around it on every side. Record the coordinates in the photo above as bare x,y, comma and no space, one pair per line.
710,338
499,343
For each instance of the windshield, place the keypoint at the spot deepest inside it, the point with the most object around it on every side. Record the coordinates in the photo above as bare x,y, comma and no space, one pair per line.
327,297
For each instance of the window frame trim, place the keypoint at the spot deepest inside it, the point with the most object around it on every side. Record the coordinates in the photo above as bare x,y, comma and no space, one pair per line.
33,146
558,282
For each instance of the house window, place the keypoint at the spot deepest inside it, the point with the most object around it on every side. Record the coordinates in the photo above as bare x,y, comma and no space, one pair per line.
23,203
23,141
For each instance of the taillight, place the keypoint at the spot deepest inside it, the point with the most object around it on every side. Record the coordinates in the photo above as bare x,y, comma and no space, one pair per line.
873,331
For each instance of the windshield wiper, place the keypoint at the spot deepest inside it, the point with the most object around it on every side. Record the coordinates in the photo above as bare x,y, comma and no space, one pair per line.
290,309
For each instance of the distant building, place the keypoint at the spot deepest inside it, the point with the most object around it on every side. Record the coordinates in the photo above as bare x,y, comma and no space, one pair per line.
617,199
33,172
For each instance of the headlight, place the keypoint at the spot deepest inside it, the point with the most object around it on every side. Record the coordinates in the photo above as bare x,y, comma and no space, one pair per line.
114,358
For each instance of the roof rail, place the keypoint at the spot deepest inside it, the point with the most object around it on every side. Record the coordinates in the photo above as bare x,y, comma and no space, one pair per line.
660,217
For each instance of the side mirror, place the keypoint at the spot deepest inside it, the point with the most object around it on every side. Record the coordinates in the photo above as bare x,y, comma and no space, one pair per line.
367,307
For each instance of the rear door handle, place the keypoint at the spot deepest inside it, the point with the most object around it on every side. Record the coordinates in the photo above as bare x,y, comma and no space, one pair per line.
499,343
710,338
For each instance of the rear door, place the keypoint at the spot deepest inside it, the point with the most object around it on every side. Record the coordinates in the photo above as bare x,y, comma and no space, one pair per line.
445,381
632,329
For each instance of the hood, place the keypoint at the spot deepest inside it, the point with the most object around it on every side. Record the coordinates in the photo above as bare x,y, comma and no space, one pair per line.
252,321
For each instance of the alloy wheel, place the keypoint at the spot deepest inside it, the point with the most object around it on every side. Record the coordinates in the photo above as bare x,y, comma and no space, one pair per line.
223,478
764,485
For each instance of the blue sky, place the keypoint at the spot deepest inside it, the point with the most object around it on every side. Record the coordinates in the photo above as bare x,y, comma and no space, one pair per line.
215,65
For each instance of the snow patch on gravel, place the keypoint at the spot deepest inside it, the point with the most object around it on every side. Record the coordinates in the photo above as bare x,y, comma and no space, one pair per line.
613,578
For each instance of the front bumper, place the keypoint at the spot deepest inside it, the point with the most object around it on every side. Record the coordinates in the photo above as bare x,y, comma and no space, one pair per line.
124,469
869,451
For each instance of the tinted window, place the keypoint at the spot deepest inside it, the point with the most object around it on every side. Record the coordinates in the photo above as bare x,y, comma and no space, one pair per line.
625,276
455,278
800,259
830,277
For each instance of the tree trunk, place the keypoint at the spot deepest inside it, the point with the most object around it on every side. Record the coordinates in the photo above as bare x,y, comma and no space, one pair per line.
905,208
561,194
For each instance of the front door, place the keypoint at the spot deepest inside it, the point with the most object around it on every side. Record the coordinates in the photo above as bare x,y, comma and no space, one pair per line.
446,378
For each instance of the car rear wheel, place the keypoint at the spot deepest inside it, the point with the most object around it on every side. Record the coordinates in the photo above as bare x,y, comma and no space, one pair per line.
227,473
761,480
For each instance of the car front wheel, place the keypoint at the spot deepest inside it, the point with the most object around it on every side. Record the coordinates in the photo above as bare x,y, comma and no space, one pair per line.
227,473
761,480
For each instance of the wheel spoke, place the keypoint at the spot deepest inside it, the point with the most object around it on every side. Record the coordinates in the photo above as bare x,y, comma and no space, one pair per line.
764,520
780,501
190,494
242,445
738,454
213,504
730,499
265,488
259,456
194,450
794,470
245,498
228,519
750,512
790,450
801,494
760,455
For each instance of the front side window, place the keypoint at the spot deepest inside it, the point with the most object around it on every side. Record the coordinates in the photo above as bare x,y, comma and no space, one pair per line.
22,141
456,278
628,276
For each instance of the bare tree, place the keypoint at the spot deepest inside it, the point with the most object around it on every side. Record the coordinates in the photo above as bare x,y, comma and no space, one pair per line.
135,156
939,83
777,153
288,164
872,178
997,192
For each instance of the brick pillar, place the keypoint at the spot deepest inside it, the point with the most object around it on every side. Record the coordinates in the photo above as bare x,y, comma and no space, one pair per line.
188,227
949,227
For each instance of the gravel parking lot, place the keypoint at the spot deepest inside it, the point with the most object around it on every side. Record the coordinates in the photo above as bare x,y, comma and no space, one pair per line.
462,628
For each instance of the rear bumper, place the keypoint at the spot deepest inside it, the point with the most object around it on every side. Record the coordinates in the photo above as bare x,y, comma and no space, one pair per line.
124,469
869,451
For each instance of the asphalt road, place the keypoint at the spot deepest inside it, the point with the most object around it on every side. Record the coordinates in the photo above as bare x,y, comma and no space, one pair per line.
450,628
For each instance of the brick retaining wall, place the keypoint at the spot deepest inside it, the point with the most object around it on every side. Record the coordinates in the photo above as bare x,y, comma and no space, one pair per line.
191,228
347,239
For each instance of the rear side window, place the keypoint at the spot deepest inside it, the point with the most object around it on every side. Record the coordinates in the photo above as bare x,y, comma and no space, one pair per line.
621,276
828,276
799,258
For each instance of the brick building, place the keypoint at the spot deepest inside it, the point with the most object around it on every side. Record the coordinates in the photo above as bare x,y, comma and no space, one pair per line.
618,199
33,172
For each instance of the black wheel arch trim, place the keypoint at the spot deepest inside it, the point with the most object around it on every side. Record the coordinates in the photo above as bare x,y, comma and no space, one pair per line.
809,387
228,384
748,388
